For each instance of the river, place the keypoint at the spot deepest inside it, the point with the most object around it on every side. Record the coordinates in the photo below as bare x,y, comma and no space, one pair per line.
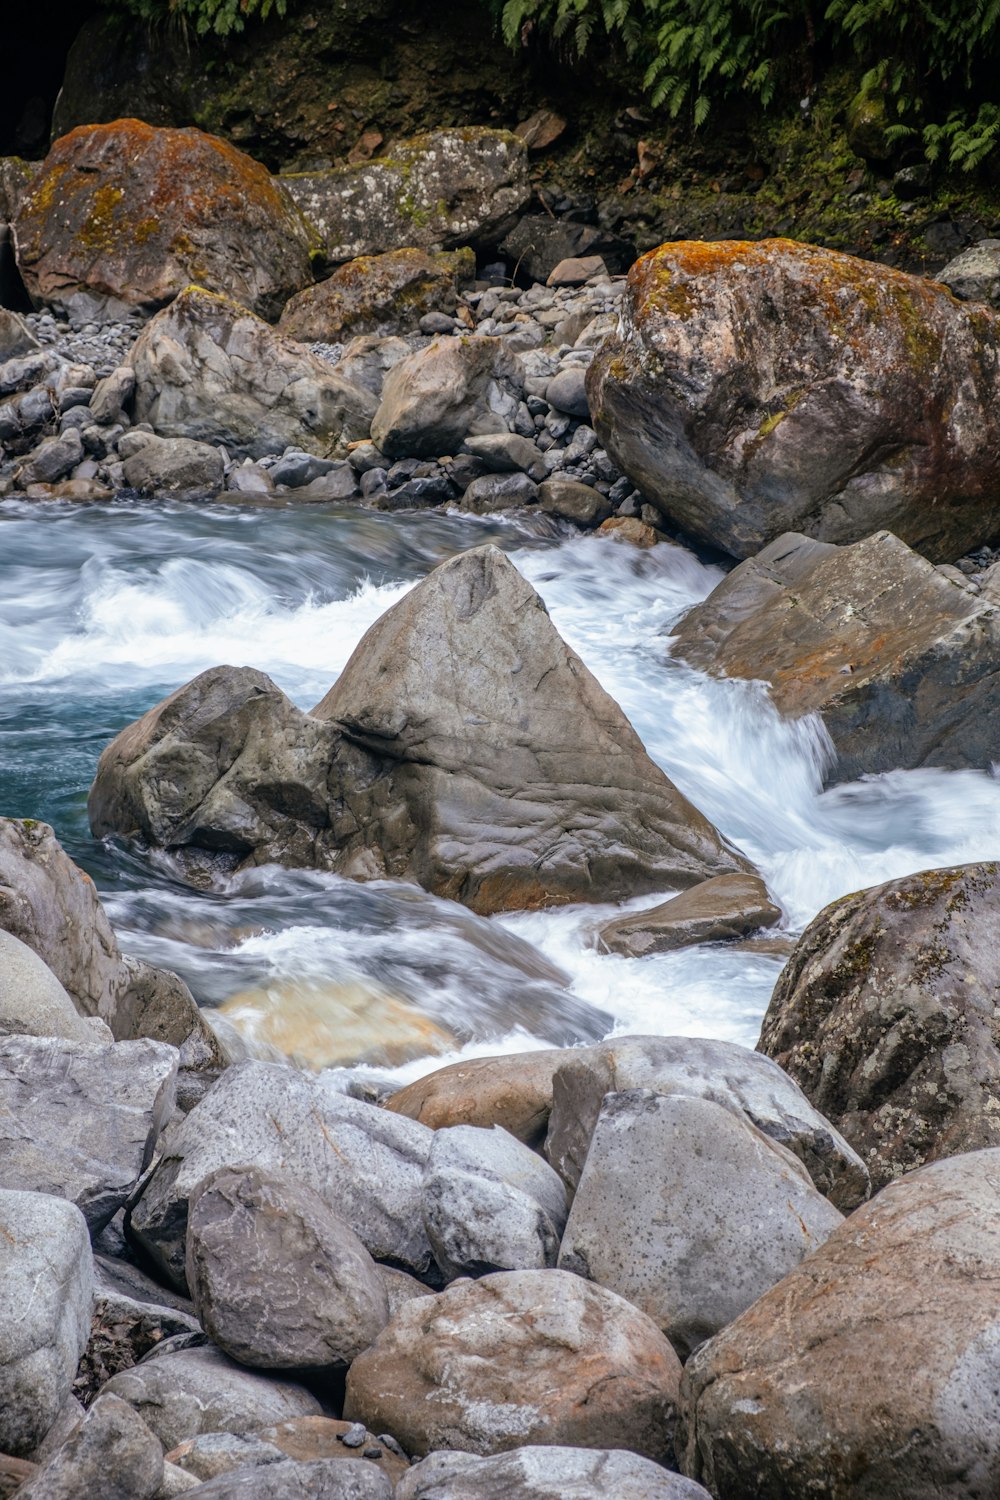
105,609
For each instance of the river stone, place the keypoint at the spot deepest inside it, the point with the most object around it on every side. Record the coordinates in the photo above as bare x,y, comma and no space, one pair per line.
79,1120
567,392
446,188
886,1015
538,242
493,492
896,656
46,1297
213,1453
280,1282
34,1003
514,1091
519,1358
378,294
520,784
545,1474
323,1479
721,1072
126,215
365,1163
208,369
974,275
439,396
490,1204
506,452
870,1370
689,1212
730,906
175,466
580,503
112,1453
183,1392
51,460
309,1438
758,388
401,1287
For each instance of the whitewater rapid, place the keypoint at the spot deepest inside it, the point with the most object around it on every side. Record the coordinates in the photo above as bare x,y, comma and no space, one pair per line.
105,609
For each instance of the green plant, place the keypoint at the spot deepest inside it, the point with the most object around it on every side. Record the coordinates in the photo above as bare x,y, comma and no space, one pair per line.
221,17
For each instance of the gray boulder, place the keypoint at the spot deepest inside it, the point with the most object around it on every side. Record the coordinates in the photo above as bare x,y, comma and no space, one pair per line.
729,906
490,1204
522,785
567,391
51,460
365,1163
79,1120
507,452
280,1282
183,1392
34,1003
172,466
321,1479
689,1212
111,394
574,502
207,369
974,275
545,1474
895,654
439,396
446,188
112,1453
378,294
518,1359
213,1453
367,360
721,1072
758,388
886,1016
493,492
46,1298
870,1370
16,338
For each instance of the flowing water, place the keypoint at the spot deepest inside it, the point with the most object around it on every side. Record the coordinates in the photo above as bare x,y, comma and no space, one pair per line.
105,609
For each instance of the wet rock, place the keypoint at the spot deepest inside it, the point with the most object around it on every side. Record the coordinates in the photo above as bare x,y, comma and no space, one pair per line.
207,369
448,187
183,1392
847,1377
519,1358
436,398
539,243
574,502
757,388
720,1072
323,1479
33,1002
378,294
494,492
126,215
46,1296
689,1212
729,906
112,1454
550,1473
51,460
365,1163
158,1005
279,1280
974,275
886,1016
174,466
490,1204
630,529
79,1120
895,657
413,724
513,1091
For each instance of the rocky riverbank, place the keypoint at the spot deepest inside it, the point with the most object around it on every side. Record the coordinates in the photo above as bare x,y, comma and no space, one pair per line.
658,1267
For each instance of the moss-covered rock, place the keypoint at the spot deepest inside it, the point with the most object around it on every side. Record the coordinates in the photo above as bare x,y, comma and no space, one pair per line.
126,215
382,294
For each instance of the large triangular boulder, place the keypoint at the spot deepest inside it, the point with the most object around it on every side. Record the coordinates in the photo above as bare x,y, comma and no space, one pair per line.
465,746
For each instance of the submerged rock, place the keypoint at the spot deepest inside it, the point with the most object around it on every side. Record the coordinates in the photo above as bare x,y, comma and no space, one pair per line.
728,906
126,215
870,1370
886,1015
757,388
448,187
209,370
522,1357
464,747
897,656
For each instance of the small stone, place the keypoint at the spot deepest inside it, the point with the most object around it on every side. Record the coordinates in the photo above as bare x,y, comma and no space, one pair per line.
576,270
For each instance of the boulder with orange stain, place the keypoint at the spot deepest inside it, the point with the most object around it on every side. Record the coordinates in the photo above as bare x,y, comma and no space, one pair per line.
758,388
126,215
897,655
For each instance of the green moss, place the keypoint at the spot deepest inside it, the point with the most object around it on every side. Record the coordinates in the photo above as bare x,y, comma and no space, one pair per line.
100,230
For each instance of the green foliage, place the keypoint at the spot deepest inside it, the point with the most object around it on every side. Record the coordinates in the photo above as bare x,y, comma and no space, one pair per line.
934,61
204,17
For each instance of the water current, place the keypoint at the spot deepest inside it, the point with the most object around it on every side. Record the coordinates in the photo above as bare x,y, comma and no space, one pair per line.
103,610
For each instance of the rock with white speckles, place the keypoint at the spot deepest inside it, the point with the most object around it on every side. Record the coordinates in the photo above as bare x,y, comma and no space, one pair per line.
545,1474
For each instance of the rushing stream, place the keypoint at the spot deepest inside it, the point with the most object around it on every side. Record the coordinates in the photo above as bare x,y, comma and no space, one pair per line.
105,609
